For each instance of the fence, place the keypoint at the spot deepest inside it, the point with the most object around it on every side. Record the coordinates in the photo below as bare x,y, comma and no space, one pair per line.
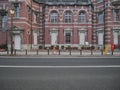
60,52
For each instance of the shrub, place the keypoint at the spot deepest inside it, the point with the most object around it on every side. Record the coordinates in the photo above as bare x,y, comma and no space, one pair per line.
3,46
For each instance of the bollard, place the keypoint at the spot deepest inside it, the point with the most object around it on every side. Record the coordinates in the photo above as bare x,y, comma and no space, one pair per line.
112,52
7,52
80,51
48,51
26,51
37,52
70,52
59,51
91,52
101,52
15,52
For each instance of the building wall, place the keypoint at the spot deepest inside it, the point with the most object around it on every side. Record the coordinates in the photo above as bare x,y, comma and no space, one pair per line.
75,26
43,27
3,5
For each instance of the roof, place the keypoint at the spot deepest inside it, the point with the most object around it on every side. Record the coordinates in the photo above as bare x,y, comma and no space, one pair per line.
116,2
70,2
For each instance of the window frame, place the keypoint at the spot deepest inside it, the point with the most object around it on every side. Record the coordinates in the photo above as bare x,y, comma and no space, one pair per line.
4,21
116,16
68,17
82,17
54,17
17,11
68,37
100,17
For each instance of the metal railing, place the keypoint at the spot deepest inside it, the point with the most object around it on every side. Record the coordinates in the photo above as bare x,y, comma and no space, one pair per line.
69,52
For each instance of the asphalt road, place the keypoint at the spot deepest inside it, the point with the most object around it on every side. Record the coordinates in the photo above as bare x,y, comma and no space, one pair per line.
60,73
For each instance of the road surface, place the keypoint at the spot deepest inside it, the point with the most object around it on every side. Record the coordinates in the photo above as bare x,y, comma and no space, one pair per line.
60,73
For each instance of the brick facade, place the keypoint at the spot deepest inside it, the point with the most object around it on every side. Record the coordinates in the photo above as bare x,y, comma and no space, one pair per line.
36,30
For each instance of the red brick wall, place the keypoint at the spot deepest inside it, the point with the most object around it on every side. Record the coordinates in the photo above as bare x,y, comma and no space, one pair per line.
91,26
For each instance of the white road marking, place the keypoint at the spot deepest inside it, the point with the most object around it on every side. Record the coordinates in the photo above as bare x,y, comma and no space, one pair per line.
107,66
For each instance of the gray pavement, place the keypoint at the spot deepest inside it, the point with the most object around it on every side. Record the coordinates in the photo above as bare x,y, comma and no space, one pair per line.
82,74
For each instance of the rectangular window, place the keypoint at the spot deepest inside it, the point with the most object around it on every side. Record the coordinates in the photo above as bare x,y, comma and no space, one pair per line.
68,19
82,18
17,11
29,12
116,34
68,38
100,17
35,39
116,14
35,17
4,21
53,19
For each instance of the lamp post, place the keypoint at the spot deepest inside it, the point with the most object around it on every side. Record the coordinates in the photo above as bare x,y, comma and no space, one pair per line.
12,12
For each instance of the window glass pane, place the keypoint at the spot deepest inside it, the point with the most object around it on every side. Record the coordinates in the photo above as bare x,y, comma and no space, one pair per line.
54,17
68,17
82,17
4,21
68,39
115,38
100,17
17,9
116,15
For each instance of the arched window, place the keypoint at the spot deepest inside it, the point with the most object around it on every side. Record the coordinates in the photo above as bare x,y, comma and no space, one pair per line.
68,17
54,17
82,17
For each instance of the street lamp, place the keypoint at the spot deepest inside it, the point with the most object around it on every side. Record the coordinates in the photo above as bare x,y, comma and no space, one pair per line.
12,12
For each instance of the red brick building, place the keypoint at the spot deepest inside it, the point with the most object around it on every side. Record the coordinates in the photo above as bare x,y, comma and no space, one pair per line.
75,23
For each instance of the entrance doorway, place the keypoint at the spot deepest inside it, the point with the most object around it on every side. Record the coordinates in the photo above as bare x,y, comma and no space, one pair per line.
17,42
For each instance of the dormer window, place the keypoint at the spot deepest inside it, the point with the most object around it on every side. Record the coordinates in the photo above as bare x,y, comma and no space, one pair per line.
82,1
99,1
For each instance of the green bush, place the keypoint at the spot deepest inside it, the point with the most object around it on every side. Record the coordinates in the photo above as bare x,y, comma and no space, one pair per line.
3,46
